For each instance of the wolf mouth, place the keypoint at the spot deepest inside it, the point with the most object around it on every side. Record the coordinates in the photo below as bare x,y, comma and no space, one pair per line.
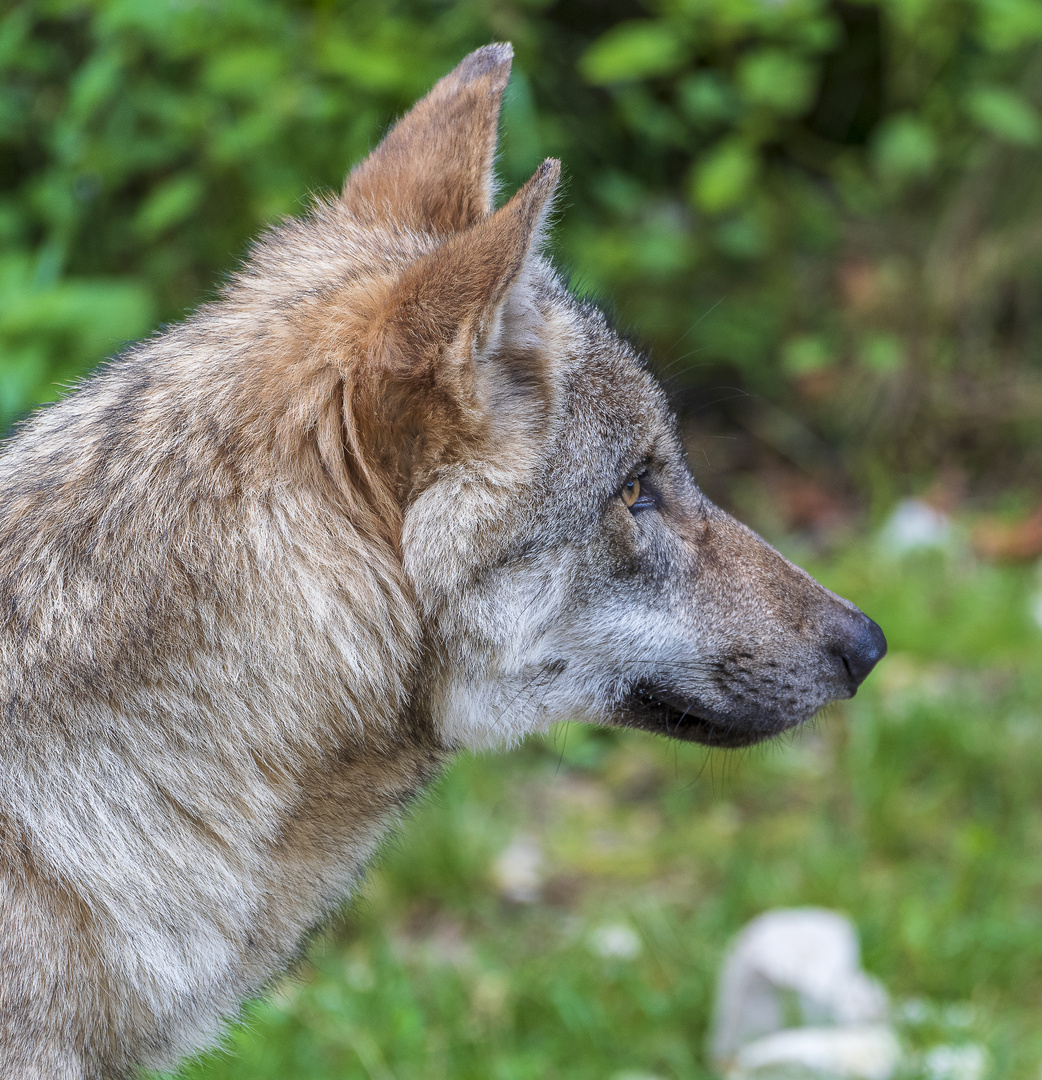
663,712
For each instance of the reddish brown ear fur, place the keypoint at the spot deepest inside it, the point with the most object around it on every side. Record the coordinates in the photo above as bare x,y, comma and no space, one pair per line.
458,287
414,398
433,171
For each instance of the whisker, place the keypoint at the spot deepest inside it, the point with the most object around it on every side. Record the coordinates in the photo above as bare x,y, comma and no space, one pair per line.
705,315
564,745
541,679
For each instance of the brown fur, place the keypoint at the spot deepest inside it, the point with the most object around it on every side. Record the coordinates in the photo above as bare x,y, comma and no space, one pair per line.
263,573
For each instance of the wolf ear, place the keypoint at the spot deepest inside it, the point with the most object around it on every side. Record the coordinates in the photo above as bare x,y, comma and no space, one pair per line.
418,394
454,294
433,170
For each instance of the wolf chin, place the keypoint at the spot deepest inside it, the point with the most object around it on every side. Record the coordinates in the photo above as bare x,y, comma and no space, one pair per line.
394,494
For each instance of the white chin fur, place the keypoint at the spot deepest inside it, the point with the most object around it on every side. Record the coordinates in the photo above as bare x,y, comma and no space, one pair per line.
484,715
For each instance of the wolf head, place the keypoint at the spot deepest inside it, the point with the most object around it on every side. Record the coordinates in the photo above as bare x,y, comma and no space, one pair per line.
524,464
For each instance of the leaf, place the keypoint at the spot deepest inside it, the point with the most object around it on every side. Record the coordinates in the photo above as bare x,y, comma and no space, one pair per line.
1004,113
777,80
169,204
376,67
95,83
905,148
742,237
633,50
723,179
806,354
246,72
882,353
1011,24
706,98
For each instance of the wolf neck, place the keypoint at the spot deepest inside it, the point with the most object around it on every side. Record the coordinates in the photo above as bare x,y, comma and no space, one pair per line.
240,658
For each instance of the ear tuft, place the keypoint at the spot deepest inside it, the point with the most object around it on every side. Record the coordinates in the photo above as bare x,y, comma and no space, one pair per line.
490,60
433,170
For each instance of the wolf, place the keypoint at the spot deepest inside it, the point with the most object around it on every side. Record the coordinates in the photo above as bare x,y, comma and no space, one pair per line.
395,493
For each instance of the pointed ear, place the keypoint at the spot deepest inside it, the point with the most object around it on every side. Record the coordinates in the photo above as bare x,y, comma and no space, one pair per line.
416,394
453,295
433,170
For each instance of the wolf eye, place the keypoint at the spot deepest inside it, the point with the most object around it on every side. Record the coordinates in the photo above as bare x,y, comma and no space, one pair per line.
631,492
637,495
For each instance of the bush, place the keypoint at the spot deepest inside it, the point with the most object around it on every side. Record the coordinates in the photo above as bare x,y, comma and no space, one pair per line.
831,204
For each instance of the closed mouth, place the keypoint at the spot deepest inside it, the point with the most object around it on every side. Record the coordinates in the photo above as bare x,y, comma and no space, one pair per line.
664,713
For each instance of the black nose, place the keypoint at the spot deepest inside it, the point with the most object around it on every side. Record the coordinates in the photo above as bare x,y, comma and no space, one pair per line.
860,647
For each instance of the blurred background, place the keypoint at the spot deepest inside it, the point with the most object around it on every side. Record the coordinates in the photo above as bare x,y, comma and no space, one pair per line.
823,218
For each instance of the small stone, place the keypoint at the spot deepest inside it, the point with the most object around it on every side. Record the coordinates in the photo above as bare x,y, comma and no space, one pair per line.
914,1012
792,968
518,873
915,525
959,1014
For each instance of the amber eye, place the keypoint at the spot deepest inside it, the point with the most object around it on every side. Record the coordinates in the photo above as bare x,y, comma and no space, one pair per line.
631,492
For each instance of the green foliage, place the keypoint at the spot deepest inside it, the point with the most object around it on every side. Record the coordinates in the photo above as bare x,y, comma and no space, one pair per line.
143,143
744,175
633,50
1004,114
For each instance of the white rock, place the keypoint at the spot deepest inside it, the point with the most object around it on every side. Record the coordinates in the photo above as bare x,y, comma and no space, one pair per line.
853,1052
914,526
518,872
792,968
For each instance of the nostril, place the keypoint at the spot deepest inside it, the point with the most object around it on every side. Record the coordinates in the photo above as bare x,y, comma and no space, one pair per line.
847,665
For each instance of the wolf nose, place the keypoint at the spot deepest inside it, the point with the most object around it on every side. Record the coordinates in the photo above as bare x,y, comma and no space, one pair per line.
860,648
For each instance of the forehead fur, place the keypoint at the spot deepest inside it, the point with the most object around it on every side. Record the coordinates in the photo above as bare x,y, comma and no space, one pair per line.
614,409
571,388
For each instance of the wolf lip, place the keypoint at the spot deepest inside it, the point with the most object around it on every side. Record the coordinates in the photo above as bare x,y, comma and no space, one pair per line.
663,712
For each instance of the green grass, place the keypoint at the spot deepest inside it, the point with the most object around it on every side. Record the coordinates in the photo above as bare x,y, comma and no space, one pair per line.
916,808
